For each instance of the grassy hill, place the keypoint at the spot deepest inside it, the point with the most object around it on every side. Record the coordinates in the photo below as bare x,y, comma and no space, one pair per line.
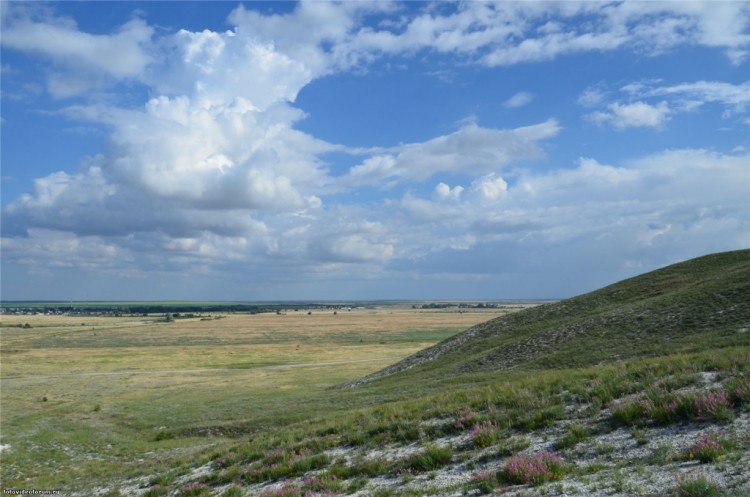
696,305
640,388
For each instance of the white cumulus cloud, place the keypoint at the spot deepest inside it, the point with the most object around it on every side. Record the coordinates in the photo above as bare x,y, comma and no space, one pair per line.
518,100
445,192
636,114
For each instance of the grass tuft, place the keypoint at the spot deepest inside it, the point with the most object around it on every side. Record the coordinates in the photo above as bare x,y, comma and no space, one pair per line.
431,458
696,485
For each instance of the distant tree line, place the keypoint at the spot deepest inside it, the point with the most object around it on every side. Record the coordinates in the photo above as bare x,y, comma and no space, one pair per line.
462,305
175,310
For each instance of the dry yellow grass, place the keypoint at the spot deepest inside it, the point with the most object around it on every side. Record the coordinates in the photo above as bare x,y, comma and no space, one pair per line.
61,344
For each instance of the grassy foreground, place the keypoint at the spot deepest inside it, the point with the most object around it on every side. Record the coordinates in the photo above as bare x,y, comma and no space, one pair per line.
650,427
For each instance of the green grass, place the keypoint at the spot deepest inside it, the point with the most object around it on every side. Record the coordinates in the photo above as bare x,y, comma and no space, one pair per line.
575,434
697,486
431,458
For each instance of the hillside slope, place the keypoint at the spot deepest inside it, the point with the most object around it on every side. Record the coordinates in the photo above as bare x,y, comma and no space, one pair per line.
702,301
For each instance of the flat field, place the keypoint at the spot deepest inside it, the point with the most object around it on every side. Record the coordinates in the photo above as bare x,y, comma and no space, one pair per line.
85,398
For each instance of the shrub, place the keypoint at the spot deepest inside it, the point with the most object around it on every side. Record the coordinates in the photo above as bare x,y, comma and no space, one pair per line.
483,434
484,481
666,409
533,469
656,406
696,486
708,449
714,406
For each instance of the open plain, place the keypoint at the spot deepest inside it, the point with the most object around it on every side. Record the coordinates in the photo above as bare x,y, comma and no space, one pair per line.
88,397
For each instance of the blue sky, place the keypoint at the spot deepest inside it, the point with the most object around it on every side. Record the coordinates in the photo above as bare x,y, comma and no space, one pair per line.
356,150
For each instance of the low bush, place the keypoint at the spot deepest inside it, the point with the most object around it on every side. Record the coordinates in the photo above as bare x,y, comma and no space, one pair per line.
484,481
714,406
533,469
664,408
483,434
709,448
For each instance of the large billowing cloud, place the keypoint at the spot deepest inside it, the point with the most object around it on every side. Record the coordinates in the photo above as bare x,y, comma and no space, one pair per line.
210,174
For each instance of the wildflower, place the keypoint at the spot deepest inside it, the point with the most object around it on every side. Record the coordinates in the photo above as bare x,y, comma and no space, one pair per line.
535,469
709,448
713,405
